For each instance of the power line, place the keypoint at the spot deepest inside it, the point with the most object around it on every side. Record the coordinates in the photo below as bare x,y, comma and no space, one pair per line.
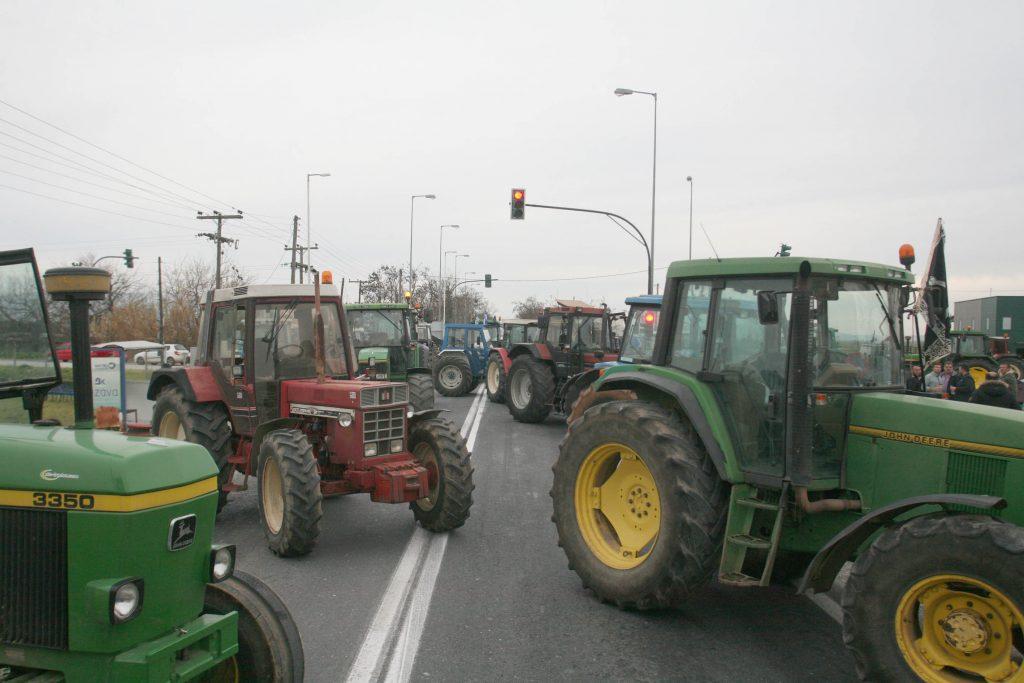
94,208
87,194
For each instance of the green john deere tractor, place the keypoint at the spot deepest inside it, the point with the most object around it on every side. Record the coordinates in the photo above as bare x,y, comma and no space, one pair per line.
771,437
387,350
108,571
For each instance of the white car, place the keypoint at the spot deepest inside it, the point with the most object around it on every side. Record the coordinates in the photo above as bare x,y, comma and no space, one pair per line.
173,354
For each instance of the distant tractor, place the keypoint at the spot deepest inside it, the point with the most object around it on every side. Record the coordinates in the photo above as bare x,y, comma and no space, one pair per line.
110,572
772,436
460,364
386,349
274,394
541,377
513,331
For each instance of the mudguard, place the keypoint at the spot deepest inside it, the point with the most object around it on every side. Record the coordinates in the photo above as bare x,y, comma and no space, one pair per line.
506,360
426,415
537,350
271,426
822,570
418,371
196,383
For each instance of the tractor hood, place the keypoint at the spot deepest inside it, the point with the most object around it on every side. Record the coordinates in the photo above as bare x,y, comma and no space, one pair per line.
950,423
379,354
352,394
97,461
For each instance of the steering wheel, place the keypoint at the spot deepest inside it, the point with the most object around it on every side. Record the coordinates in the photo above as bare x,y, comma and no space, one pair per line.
281,350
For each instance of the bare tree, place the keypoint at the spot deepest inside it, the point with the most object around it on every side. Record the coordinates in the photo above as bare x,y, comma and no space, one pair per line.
529,308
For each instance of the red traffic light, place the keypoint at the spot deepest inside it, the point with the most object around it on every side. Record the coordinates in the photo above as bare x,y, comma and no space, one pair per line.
518,194
518,203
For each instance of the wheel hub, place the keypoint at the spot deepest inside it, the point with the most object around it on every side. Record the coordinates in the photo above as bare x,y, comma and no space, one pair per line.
966,631
451,377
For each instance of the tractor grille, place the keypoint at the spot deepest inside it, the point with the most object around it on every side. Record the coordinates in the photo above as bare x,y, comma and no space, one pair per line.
974,474
33,578
383,425
383,396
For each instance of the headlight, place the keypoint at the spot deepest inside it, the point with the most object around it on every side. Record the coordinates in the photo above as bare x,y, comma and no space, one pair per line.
396,446
370,450
125,600
345,419
222,562
410,412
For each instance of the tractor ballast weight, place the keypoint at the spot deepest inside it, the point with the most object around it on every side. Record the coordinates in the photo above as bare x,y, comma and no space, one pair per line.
388,350
111,573
260,403
462,361
771,436
550,373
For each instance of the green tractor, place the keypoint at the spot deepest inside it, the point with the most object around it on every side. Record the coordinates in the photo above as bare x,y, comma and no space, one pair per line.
108,570
387,349
771,438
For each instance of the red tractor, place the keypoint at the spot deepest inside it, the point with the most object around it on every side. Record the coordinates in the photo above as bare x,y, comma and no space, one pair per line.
513,331
273,393
546,375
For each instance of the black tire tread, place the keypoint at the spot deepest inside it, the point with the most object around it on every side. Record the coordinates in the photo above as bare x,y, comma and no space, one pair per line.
421,391
303,504
467,374
497,396
542,394
452,509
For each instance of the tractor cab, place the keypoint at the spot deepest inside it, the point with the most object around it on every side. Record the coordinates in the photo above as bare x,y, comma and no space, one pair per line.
518,331
463,357
386,348
640,331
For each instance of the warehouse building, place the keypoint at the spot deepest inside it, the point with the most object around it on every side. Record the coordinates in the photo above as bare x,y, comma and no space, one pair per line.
996,316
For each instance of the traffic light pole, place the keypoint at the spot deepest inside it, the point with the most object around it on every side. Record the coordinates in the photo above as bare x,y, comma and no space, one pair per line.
614,218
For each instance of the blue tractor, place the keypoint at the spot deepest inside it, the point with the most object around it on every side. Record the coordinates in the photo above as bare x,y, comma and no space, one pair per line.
462,361
637,347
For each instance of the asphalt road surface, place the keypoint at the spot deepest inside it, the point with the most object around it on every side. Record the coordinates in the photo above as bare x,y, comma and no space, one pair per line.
380,599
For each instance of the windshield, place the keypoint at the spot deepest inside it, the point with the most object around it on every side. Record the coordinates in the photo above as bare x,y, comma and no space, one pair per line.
972,345
283,341
376,328
638,342
855,333
25,355
588,333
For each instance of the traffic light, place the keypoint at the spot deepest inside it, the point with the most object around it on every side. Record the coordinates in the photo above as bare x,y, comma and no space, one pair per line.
518,203
129,260
487,280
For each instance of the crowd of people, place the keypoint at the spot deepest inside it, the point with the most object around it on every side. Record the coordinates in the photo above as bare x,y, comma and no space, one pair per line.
1001,388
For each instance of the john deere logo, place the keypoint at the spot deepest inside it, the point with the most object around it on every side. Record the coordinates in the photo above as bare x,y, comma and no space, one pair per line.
181,533
50,475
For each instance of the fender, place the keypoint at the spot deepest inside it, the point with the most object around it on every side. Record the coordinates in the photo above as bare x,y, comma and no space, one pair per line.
426,415
822,570
196,383
506,360
537,350
418,371
271,426
687,403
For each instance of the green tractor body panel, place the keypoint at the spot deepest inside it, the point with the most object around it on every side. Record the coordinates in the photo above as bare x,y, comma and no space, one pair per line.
766,266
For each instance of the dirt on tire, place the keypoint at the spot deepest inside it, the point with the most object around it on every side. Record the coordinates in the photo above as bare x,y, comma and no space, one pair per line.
301,501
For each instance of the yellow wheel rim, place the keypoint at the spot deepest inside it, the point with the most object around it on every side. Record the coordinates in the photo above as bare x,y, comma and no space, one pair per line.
978,374
955,628
171,427
272,495
618,509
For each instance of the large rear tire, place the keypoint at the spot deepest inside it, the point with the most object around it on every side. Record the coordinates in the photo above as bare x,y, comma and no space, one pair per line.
495,378
452,374
421,391
436,444
940,598
206,424
290,501
530,389
639,507
269,646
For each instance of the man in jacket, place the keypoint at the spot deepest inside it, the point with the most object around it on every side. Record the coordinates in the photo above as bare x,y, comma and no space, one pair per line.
916,381
961,385
994,392
1016,386
934,381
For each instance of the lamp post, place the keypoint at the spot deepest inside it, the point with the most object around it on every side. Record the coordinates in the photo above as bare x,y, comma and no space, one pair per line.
308,227
689,179
654,173
412,209
440,266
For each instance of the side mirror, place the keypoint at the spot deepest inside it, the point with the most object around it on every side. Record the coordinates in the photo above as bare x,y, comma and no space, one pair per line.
767,307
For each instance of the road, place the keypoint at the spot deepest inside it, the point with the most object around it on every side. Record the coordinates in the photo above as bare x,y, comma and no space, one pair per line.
495,600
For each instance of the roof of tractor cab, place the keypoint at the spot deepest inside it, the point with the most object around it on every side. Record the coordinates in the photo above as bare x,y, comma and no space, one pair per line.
273,291
787,265
378,307
644,300
519,321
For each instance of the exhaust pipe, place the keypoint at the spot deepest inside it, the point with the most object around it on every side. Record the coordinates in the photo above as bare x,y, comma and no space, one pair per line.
813,507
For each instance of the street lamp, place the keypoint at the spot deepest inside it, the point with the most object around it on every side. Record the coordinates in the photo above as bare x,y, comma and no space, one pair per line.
412,209
440,266
654,173
689,179
455,275
308,227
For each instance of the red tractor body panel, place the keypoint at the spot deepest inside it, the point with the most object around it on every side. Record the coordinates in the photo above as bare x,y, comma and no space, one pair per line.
506,360
204,385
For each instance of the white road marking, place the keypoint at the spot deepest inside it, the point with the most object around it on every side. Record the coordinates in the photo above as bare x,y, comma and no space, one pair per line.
397,627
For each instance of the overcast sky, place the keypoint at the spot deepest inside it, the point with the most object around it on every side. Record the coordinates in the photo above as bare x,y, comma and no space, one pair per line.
843,129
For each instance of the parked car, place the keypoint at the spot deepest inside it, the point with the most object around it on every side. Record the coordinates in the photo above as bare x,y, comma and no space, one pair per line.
64,352
172,354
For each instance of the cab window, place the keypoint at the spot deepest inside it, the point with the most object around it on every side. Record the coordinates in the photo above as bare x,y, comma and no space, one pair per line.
691,325
229,335
556,329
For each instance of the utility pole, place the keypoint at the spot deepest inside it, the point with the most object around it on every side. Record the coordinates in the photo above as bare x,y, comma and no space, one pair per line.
304,264
160,299
294,247
218,239
359,290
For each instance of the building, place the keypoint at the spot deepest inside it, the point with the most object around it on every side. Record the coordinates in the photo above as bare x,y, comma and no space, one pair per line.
996,316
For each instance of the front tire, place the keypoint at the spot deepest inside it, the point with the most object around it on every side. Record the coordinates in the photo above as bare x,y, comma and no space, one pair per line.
940,598
452,375
639,507
530,390
436,444
495,376
290,500
269,646
206,424
421,391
